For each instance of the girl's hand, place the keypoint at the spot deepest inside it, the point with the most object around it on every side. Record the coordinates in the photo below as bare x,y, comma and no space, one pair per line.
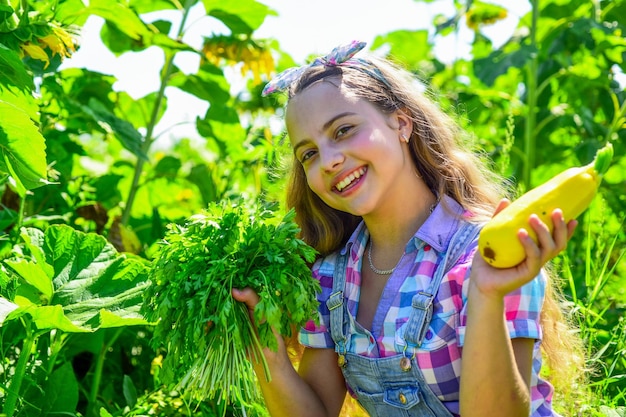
499,282
248,297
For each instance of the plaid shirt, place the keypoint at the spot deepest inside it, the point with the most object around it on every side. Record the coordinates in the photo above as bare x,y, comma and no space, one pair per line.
439,357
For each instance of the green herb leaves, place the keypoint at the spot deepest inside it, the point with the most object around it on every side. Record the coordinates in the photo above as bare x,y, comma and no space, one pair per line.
207,334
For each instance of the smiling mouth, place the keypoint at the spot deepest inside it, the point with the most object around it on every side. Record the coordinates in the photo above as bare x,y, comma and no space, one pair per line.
350,179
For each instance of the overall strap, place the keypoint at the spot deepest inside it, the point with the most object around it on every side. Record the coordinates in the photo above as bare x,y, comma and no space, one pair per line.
422,302
335,305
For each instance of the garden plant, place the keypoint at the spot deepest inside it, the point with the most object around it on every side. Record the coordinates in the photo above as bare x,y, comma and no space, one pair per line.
90,188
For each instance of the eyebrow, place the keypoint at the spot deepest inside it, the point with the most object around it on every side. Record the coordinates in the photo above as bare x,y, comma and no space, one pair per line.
324,127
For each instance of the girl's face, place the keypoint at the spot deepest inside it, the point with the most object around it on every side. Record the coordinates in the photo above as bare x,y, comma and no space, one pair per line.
352,154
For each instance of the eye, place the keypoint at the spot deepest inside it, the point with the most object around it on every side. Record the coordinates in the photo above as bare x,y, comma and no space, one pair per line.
342,131
306,155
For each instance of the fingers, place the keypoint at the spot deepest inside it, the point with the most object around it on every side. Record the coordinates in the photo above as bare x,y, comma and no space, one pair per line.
562,231
533,252
571,227
501,205
246,296
549,243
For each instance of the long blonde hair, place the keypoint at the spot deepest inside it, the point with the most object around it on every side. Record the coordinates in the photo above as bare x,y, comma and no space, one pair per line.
445,159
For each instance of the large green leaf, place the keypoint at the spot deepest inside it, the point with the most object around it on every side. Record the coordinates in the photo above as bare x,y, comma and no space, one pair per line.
70,12
22,147
139,111
94,286
16,83
409,47
241,16
147,6
12,71
208,84
36,277
119,14
119,41
499,62
124,131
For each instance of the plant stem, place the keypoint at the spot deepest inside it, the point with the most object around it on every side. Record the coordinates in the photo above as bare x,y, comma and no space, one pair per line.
149,139
618,120
97,377
531,88
58,342
20,371
20,214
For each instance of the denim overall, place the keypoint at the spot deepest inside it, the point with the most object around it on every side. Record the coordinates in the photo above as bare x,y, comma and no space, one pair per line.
394,386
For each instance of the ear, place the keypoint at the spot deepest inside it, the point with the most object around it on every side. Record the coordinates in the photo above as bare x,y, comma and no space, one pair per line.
403,123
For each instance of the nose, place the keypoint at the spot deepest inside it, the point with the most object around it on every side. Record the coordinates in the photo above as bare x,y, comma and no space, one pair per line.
331,157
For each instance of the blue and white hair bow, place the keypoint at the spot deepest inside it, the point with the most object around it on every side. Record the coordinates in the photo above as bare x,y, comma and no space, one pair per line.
341,55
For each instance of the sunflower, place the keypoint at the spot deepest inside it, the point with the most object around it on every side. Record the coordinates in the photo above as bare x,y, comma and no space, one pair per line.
57,40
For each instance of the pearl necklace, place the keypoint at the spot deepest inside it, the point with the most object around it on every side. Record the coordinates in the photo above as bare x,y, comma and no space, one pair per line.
388,271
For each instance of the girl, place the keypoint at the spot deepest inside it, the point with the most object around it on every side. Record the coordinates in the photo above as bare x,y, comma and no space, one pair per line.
412,321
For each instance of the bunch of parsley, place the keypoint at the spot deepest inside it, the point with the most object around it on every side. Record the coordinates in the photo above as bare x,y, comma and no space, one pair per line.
208,336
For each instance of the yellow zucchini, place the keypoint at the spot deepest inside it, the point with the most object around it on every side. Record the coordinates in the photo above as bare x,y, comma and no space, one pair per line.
571,191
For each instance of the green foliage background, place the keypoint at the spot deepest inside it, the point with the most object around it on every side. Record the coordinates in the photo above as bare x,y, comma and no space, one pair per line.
86,194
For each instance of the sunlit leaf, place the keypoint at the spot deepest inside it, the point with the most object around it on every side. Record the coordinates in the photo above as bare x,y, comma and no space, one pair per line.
174,198
617,172
241,16
94,286
482,13
45,317
128,136
147,6
204,85
119,42
22,144
34,275
12,71
586,68
16,83
139,111
409,47
119,14
558,9
13,178
165,42
70,12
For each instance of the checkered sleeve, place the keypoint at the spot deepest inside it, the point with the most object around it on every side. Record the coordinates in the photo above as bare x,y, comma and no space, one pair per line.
317,335
522,309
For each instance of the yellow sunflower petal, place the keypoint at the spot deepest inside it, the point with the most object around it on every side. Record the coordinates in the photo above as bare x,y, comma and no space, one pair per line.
66,38
35,52
54,43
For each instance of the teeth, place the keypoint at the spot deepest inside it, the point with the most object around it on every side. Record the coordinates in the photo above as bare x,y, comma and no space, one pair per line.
348,180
